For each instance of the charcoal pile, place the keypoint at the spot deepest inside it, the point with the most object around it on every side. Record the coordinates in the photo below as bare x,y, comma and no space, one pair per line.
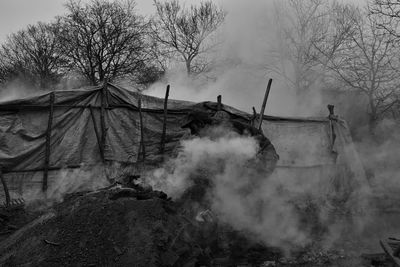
97,229
126,226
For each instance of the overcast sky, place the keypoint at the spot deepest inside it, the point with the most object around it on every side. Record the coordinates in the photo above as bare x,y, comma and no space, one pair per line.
16,14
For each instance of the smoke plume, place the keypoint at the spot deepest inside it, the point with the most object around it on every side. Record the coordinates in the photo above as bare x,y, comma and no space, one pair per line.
68,181
278,210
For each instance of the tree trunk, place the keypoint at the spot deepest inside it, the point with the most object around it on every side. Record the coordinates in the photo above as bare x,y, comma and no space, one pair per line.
372,122
373,117
189,67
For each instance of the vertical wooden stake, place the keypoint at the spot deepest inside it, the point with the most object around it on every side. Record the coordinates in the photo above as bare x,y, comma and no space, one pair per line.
103,120
6,192
141,145
331,117
164,129
253,120
96,131
219,101
264,104
331,109
48,144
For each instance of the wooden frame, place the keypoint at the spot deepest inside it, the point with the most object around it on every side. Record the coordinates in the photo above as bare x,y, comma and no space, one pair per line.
101,134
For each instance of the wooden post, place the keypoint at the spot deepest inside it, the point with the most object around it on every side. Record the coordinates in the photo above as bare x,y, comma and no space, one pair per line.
103,120
48,144
264,103
331,117
219,101
331,109
96,131
253,120
141,145
164,129
6,192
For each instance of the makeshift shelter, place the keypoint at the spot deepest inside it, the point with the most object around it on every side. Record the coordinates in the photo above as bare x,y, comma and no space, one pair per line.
45,136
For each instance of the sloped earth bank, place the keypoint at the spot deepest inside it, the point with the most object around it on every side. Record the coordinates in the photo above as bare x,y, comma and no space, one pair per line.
108,229
119,227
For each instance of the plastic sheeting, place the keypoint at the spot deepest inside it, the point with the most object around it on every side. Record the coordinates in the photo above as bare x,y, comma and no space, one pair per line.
318,157
73,139
304,145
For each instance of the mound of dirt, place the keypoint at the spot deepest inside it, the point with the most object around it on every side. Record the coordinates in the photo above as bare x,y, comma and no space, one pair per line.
90,229
123,227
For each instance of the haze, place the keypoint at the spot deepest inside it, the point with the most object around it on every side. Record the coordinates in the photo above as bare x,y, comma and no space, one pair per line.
16,14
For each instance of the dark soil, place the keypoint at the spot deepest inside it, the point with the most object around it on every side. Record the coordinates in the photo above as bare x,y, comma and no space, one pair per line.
91,229
115,228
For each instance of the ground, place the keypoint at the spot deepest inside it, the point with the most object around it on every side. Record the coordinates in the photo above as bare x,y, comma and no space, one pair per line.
110,228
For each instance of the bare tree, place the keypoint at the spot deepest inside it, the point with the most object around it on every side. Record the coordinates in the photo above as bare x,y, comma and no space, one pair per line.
388,15
32,54
369,64
310,32
186,32
4,73
103,39
159,55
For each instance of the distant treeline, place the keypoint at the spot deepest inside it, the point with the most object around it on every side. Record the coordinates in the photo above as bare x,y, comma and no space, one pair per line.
109,40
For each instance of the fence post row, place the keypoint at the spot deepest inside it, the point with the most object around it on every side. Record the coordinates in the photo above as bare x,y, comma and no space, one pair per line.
48,139
164,129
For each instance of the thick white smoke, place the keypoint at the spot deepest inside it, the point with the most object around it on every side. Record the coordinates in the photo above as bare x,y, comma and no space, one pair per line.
17,89
279,209
67,181
250,37
202,155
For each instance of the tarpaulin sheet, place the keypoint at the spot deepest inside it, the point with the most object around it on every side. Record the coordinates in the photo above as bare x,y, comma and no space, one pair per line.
318,157
73,139
301,143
